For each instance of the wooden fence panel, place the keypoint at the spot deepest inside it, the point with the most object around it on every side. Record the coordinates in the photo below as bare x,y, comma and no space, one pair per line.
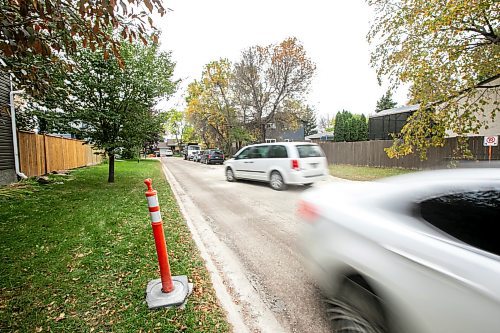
41,154
371,153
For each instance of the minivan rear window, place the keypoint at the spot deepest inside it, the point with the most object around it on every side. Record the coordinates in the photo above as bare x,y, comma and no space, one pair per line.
309,151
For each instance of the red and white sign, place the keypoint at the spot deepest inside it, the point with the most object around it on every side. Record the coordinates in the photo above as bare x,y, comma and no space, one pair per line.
491,140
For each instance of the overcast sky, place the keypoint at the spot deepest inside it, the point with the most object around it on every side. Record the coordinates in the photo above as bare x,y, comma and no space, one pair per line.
332,32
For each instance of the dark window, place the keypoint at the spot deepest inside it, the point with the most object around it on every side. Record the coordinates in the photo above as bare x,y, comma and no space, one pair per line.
258,152
244,154
277,152
309,151
472,217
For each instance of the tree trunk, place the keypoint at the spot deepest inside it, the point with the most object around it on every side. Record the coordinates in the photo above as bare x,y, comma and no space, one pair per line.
111,170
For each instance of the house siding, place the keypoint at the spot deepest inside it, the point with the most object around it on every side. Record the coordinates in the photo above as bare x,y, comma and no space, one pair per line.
7,166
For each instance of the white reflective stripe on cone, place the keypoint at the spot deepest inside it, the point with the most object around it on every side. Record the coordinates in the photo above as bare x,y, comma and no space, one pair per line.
155,216
153,201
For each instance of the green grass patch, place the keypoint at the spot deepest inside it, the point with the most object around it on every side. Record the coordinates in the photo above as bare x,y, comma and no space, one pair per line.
353,172
78,253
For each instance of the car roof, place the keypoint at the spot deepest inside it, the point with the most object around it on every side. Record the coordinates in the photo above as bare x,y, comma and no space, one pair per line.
284,143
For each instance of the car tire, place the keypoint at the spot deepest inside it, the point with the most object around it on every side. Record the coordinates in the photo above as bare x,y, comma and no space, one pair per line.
230,175
356,310
277,183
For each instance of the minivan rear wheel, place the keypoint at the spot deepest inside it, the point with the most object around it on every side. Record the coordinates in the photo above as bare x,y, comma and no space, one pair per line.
277,182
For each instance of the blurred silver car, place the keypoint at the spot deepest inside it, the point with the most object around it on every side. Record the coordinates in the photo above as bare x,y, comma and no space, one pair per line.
413,253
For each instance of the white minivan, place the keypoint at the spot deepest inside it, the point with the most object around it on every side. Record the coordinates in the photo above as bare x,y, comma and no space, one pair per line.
280,164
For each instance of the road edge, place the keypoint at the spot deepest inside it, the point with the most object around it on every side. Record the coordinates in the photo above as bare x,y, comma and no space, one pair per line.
240,304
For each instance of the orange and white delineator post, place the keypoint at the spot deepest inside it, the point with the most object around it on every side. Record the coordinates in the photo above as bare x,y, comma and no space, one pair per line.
159,235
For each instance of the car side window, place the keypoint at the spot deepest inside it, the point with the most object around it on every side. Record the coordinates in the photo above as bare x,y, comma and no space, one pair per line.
277,151
471,217
258,152
244,154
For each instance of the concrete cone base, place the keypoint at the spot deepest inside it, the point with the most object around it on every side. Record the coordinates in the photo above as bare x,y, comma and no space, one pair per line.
158,299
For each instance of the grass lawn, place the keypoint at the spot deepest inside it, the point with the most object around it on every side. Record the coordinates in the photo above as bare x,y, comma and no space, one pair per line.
77,256
353,172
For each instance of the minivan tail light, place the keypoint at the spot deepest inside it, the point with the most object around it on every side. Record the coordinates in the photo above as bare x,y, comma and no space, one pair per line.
307,211
295,164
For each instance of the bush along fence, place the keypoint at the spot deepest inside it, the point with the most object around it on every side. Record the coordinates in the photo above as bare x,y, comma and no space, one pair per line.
371,153
42,154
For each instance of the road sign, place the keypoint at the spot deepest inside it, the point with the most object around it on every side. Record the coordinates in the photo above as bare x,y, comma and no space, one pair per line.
491,140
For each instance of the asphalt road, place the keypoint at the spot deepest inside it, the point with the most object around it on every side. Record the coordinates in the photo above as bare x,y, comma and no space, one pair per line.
260,228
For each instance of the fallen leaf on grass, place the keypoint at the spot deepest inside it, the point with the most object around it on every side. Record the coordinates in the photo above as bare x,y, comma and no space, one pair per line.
39,329
60,317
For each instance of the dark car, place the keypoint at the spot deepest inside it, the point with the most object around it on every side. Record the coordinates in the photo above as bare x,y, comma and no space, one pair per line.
212,156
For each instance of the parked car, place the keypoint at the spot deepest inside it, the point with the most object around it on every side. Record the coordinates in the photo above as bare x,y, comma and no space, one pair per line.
212,156
413,253
280,164
197,156
189,150
194,156
169,152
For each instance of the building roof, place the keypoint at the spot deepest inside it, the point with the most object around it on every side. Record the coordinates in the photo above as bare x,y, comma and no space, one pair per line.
319,135
162,145
401,109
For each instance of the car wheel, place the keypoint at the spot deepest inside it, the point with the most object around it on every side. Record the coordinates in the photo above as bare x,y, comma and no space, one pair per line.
356,309
230,175
277,182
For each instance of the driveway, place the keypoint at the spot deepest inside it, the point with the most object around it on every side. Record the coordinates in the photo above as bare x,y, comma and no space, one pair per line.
258,229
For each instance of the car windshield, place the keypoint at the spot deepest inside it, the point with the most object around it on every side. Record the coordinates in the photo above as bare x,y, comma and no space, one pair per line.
193,147
309,151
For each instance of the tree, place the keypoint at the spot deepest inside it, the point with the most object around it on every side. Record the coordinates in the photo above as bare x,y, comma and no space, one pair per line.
266,77
110,106
340,128
310,123
326,123
211,106
175,124
35,35
350,127
385,102
444,50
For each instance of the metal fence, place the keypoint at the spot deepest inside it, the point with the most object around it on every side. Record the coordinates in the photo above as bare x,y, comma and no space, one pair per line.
42,154
371,153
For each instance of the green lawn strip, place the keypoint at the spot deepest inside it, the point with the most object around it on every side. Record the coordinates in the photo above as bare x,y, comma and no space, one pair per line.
77,256
364,173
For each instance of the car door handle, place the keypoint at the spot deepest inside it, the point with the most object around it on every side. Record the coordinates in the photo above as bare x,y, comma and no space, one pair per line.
247,162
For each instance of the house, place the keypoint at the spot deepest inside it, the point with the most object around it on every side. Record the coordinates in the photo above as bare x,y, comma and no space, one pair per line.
381,125
320,137
7,162
174,145
162,148
278,132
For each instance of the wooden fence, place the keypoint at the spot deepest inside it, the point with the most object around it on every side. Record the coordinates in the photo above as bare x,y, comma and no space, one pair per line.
371,153
42,154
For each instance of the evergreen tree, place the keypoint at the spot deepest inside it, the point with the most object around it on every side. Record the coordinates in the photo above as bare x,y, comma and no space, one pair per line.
363,133
310,124
385,102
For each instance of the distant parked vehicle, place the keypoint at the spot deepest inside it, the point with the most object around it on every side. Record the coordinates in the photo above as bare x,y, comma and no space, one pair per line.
280,164
212,156
169,152
189,150
197,156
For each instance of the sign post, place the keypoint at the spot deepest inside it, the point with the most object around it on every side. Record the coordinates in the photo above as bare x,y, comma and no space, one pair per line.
490,141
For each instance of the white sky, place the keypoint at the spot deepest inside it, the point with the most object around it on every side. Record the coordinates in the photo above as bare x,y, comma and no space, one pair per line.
332,32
